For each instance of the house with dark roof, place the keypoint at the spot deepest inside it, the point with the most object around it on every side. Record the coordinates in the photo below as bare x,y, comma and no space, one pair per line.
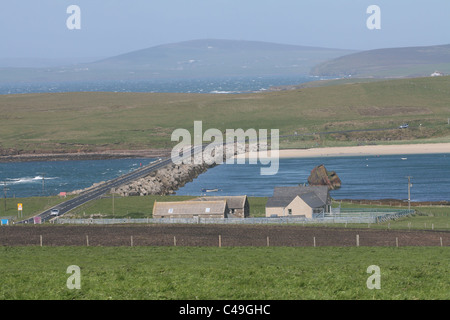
238,206
306,201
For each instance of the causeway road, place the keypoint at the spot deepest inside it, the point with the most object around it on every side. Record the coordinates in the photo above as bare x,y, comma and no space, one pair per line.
100,190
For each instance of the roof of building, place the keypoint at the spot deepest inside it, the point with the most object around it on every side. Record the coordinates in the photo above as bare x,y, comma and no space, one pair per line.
190,207
314,196
234,202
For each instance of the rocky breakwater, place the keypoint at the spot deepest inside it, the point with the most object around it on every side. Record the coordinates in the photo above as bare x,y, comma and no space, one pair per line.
164,181
167,180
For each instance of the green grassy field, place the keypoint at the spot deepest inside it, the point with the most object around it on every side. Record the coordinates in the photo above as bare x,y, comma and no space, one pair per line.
105,121
235,273
204,273
30,206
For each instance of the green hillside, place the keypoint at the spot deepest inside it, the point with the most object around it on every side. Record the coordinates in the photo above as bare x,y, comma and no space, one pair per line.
391,62
98,120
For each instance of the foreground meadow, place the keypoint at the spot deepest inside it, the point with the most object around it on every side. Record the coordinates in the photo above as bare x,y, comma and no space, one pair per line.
231,273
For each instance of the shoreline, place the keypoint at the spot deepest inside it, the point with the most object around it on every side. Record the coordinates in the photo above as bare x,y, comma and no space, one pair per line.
367,150
101,155
371,150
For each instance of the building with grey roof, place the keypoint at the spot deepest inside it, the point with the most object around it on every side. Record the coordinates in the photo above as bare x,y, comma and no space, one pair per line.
306,201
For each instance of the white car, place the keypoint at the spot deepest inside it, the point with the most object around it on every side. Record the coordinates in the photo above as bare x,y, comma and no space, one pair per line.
54,212
404,126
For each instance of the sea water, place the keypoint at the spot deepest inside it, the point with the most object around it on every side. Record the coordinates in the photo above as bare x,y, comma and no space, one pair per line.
228,85
45,178
363,177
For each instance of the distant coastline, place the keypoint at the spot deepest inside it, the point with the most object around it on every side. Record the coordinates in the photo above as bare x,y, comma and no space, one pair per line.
370,150
103,155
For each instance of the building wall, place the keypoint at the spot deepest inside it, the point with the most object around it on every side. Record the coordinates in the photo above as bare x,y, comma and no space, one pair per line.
278,211
240,212
298,207
190,209
188,216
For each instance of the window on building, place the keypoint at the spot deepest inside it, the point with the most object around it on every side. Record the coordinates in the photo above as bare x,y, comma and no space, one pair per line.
171,210
289,211
207,209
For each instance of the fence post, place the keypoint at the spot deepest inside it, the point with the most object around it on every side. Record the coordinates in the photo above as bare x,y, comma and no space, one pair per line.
440,240
268,243
40,240
314,240
220,241
396,242
174,241
87,241
131,240
357,240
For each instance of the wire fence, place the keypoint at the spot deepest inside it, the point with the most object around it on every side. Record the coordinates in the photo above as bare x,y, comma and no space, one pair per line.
344,216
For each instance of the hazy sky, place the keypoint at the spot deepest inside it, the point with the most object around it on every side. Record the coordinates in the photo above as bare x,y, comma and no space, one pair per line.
37,28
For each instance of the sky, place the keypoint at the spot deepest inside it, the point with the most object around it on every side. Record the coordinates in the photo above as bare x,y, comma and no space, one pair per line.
38,29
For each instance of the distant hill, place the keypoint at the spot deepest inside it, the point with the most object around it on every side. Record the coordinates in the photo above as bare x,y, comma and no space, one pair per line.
196,58
391,62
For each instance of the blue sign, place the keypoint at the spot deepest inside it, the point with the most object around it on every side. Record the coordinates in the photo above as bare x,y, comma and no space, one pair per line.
4,221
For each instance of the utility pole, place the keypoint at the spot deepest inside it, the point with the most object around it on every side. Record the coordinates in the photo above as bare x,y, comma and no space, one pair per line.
409,192
4,191
43,183
113,203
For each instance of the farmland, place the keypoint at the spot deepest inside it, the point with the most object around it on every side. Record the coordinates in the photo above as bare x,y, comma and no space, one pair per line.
177,262
235,273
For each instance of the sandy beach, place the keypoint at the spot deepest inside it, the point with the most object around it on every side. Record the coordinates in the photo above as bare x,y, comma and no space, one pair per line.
373,150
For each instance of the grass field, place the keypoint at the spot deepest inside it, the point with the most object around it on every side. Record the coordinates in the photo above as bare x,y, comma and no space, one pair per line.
236,273
30,206
102,121
227,273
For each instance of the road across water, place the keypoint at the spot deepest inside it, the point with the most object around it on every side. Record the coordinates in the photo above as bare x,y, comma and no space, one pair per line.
97,192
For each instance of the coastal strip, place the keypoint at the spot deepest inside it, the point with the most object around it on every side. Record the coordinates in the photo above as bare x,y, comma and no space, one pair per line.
368,150
75,156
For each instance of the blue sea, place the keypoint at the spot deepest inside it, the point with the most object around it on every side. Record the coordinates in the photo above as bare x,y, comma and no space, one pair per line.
229,85
45,178
374,177
363,177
